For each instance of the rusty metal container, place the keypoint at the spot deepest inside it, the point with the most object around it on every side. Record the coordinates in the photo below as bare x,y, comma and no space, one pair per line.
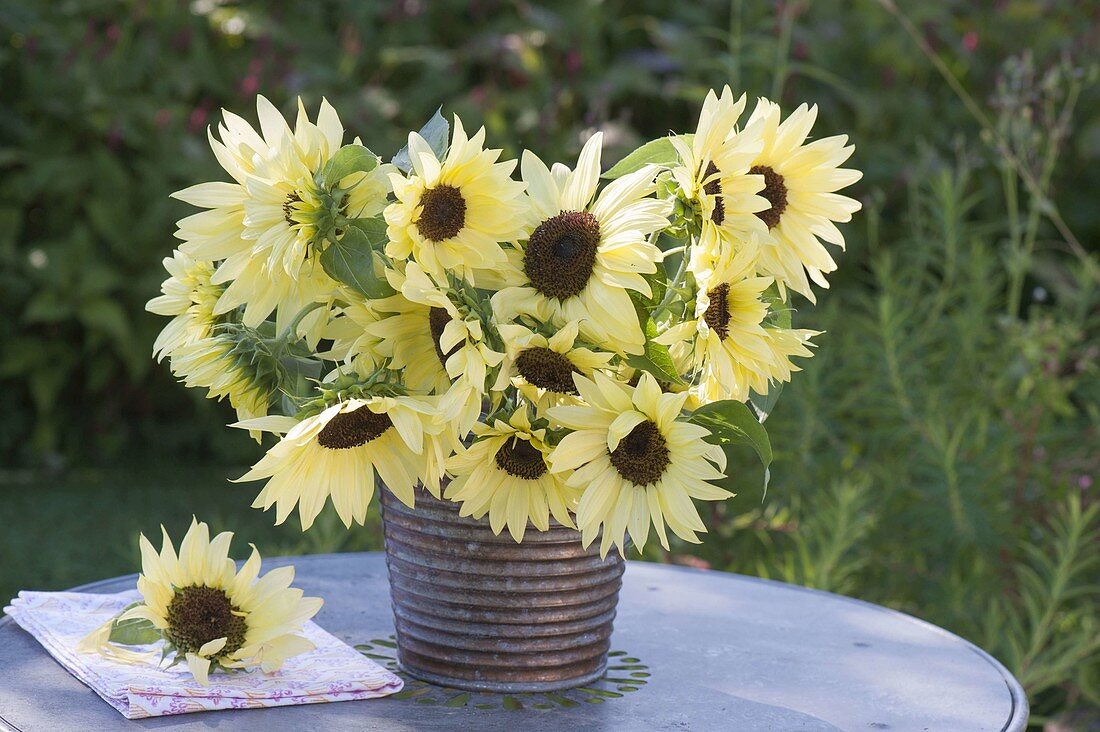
481,612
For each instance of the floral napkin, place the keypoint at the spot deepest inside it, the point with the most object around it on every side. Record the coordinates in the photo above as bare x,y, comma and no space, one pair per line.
333,671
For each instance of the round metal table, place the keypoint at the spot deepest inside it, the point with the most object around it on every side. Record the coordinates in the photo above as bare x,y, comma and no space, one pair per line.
694,650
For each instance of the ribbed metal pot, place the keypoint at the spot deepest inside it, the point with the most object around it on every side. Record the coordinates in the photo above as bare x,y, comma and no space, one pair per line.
481,612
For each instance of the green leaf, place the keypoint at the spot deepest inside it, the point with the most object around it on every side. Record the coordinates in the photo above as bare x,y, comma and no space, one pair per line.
347,160
107,316
45,385
297,375
108,214
655,152
766,403
134,631
658,282
436,132
47,307
780,313
351,260
656,359
732,422
374,229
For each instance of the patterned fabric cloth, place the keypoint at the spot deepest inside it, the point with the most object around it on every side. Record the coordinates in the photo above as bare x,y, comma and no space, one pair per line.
333,671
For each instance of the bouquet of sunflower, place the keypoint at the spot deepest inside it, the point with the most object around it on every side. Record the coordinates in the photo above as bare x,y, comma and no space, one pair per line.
565,343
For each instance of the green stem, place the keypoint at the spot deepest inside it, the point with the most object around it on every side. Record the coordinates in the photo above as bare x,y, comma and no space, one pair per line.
1015,238
291,331
674,285
893,363
1063,574
783,49
1046,173
733,43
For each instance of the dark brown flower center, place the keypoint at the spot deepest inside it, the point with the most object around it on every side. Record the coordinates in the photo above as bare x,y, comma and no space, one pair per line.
714,188
642,456
353,429
717,315
775,190
561,253
438,318
547,369
288,207
442,213
198,615
521,459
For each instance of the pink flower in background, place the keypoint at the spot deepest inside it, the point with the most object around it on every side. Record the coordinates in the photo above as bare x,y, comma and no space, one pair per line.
197,120
249,85
114,137
573,62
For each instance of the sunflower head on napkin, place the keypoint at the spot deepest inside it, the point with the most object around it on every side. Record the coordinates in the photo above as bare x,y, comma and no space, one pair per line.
208,614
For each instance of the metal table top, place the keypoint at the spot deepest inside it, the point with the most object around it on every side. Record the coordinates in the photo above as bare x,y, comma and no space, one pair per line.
694,650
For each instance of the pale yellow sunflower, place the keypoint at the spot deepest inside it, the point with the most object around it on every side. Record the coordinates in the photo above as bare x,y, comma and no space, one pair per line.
726,341
409,336
459,409
212,364
637,463
188,298
435,343
800,181
262,228
352,343
336,454
212,615
714,173
504,473
451,215
586,252
542,368
402,335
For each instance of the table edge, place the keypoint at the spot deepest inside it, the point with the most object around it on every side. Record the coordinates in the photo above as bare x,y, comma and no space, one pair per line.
1018,717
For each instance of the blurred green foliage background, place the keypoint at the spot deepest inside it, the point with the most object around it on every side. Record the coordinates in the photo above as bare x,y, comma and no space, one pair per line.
938,455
